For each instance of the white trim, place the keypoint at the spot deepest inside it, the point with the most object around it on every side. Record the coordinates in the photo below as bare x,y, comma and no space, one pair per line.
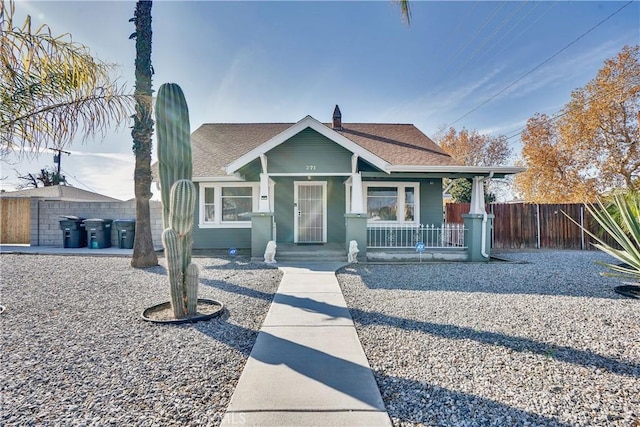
310,174
456,169
296,187
400,185
307,122
217,194
236,224
225,178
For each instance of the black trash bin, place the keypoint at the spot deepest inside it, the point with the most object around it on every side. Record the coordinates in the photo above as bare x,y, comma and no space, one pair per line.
73,232
126,229
98,233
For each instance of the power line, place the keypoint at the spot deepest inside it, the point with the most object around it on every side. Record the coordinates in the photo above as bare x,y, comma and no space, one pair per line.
473,37
79,182
562,112
488,39
540,65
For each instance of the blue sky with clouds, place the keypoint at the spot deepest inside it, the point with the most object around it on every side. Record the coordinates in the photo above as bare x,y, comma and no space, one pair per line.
280,61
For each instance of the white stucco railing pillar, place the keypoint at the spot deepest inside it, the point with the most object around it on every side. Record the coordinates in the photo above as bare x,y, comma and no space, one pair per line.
477,196
356,193
263,204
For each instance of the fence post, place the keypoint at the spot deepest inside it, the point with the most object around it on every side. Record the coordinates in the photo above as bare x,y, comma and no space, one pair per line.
581,226
538,225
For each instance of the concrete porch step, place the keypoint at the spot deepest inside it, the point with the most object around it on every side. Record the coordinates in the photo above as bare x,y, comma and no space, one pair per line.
320,253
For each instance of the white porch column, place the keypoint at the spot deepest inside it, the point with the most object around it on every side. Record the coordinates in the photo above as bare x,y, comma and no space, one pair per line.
477,196
263,204
356,193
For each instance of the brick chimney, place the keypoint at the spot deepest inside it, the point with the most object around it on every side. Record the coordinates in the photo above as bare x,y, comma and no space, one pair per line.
337,118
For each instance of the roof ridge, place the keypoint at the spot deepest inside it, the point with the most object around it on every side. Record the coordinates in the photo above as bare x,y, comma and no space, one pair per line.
293,123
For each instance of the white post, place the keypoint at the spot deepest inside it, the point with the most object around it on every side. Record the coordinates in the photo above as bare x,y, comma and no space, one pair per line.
477,196
356,193
263,204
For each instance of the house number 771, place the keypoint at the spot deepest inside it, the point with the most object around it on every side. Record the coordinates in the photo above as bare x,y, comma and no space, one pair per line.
310,167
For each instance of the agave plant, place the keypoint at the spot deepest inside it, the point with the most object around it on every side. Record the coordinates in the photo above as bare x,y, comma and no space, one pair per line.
621,221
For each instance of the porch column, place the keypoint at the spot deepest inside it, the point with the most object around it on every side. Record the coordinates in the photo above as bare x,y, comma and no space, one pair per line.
478,224
356,229
356,193
263,204
477,196
261,233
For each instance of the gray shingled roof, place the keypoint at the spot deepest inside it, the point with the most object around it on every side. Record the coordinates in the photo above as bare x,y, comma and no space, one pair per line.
61,192
215,145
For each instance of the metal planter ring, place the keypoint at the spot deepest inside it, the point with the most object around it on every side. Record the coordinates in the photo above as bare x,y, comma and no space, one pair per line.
162,313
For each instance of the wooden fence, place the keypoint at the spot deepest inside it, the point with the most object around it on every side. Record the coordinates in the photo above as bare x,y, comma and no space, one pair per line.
15,220
526,225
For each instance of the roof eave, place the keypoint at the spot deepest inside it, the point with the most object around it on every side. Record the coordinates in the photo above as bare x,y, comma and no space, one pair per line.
307,122
221,178
477,170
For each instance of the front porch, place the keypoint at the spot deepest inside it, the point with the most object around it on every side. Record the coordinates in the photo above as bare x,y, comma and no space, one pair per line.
384,243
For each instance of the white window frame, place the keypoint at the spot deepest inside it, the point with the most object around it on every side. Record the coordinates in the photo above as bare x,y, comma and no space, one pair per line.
217,194
400,185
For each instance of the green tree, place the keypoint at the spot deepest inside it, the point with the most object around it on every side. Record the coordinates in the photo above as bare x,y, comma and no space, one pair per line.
52,89
461,191
144,254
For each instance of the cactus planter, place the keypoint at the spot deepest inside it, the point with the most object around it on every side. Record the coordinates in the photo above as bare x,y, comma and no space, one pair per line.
179,202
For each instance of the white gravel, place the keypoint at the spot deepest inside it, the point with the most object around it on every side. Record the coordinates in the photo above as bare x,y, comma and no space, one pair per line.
546,342
76,352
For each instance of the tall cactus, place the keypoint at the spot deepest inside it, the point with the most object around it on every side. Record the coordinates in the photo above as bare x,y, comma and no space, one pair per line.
178,197
177,242
174,144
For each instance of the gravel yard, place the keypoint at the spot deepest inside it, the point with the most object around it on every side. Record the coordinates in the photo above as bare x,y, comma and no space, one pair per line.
546,342
75,351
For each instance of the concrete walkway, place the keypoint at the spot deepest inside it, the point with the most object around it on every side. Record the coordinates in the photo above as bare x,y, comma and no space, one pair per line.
307,367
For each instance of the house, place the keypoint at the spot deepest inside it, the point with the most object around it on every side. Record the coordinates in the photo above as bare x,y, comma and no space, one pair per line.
60,192
311,183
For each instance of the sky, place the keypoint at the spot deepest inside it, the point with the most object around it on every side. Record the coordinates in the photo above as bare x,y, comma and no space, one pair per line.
267,61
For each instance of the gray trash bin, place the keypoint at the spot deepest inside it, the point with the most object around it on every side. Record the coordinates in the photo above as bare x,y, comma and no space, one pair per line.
73,232
98,233
126,229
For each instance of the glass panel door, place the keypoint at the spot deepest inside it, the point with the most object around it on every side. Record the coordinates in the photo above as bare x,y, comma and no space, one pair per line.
310,212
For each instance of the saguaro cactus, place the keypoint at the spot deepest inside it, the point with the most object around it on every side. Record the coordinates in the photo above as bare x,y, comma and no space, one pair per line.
174,144
177,242
178,197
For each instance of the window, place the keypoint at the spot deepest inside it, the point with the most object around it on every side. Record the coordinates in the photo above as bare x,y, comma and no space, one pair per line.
382,203
236,203
209,205
409,204
228,204
392,202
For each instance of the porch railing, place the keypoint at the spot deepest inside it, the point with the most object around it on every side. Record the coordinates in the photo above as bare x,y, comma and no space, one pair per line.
408,236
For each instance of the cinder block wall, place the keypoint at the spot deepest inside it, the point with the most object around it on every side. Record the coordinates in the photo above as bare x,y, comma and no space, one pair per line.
45,218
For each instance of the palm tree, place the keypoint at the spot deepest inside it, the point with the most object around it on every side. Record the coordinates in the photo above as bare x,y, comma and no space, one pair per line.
52,89
143,252
405,10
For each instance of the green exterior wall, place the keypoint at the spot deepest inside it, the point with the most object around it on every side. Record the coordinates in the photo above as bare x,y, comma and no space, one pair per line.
284,211
309,152
223,238
431,206
218,238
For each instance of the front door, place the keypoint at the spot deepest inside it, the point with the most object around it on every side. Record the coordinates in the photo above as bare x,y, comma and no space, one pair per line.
310,211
